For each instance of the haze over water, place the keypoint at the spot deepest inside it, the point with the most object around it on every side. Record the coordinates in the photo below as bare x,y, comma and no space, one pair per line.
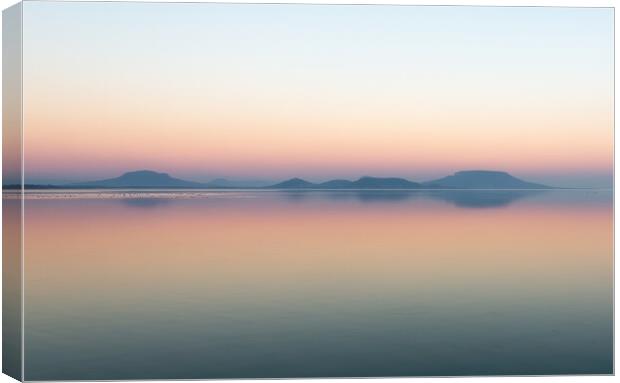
306,284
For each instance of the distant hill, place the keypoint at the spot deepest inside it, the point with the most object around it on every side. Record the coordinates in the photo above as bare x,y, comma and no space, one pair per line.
362,183
470,179
294,183
384,183
141,179
483,179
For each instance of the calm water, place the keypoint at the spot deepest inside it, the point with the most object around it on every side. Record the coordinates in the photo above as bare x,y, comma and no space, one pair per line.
307,284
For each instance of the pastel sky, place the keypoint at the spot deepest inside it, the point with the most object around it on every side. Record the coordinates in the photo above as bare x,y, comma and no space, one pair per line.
317,91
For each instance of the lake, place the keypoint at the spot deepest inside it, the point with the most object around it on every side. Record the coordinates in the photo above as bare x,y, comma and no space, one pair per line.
268,284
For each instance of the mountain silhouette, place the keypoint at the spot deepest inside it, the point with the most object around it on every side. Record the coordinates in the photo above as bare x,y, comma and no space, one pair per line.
469,179
141,179
294,183
483,179
362,183
384,183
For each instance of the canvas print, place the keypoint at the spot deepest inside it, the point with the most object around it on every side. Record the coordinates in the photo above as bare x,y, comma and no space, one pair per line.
215,191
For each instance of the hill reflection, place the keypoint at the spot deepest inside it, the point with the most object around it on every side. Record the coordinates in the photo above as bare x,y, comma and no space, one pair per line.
459,198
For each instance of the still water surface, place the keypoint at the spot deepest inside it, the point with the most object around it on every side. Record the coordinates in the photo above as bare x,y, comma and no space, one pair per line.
321,283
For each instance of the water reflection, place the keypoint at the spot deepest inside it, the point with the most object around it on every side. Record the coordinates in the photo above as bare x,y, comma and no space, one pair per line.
459,198
318,284
12,287
484,198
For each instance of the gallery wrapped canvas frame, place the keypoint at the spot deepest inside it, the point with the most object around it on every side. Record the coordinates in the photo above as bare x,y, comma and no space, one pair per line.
12,287
227,191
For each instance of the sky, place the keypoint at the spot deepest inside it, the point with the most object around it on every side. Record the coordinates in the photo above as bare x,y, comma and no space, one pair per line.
249,91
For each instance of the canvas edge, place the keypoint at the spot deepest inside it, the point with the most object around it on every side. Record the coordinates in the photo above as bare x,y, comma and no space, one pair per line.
12,173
